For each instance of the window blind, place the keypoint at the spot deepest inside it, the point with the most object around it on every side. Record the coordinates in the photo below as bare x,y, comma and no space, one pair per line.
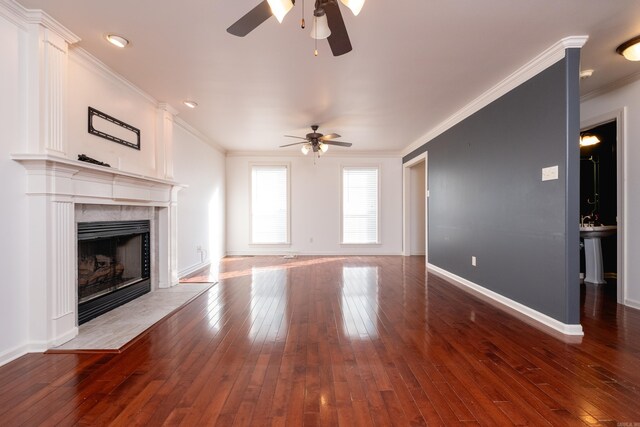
360,205
269,204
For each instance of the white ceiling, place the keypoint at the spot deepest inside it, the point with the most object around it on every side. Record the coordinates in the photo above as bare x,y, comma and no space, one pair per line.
414,62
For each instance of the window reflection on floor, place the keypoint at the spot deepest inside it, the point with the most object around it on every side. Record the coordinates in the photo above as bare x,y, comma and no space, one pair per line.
215,306
268,303
359,304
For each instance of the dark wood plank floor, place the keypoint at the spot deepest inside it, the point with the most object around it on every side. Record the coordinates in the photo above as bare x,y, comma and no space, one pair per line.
340,341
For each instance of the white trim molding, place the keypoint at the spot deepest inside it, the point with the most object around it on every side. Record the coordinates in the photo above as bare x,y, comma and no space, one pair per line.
192,269
622,192
201,136
538,64
92,63
504,302
22,16
617,84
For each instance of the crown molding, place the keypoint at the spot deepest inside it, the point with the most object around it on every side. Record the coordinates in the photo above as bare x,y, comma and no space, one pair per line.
617,84
168,108
290,153
94,64
22,16
201,136
538,64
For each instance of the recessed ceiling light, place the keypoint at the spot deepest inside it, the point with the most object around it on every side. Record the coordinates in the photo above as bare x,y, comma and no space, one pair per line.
585,74
117,40
630,49
190,104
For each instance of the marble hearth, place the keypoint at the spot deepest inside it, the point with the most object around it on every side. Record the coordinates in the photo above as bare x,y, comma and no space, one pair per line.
63,192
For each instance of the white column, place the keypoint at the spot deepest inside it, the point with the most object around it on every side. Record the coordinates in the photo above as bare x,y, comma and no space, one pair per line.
164,140
168,242
52,253
47,52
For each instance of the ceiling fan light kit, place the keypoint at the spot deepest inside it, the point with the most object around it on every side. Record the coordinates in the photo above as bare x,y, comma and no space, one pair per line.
316,142
320,28
280,8
630,49
328,21
354,5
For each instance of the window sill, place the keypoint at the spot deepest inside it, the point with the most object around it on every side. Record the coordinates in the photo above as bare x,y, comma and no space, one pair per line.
360,245
271,244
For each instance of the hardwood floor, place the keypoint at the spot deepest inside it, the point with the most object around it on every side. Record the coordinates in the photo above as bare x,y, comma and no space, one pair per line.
340,341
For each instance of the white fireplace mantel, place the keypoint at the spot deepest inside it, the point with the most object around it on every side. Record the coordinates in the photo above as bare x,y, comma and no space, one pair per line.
89,183
55,185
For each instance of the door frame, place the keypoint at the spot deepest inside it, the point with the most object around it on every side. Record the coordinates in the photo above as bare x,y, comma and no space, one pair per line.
619,116
406,204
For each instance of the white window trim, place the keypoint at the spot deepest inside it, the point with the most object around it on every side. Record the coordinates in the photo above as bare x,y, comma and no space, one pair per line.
362,166
287,165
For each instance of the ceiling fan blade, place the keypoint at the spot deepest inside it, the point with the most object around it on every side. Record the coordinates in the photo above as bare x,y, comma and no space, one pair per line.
292,136
329,136
339,143
251,20
339,39
295,143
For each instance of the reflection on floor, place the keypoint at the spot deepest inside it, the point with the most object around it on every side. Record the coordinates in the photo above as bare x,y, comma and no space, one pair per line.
340,341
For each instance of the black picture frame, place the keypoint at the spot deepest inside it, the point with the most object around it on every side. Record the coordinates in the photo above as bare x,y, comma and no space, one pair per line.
92,130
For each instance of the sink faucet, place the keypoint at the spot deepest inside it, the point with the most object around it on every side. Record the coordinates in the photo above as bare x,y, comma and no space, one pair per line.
583,218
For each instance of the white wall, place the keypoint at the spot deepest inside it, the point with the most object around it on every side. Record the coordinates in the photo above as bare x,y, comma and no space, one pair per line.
13,232
626,97
201,206
89,86
418,204
315,205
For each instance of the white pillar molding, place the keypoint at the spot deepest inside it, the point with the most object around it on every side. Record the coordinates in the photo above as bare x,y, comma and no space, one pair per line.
47,51
168,243
54,78
52,248
164,140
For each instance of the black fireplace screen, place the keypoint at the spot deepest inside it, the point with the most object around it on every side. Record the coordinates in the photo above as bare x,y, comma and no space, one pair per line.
113,265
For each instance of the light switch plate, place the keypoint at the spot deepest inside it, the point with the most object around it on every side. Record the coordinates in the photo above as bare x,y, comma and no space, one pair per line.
550,173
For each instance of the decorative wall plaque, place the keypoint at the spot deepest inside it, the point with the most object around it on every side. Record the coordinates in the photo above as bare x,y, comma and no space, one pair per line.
107,127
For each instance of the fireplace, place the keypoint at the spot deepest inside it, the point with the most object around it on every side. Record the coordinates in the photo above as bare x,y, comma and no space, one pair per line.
114,263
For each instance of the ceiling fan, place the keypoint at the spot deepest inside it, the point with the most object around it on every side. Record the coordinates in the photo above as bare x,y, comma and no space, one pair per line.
317,142
328,22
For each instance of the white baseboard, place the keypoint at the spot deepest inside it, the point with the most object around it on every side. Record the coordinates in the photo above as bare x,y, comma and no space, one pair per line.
19,351
632,303
503,301
199,266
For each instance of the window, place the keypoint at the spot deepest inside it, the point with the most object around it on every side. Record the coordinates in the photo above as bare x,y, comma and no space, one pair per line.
270,204
360,205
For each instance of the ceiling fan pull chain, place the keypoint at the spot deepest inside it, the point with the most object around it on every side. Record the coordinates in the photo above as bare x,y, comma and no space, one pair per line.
302,24
315,39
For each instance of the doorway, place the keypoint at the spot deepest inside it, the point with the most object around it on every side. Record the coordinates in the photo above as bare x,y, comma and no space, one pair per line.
415,222
602,195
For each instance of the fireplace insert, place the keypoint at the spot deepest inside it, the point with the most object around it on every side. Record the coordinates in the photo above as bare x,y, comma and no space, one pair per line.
113,265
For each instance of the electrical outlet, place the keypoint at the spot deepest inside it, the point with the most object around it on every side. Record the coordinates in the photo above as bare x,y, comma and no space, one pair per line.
473,261
550,173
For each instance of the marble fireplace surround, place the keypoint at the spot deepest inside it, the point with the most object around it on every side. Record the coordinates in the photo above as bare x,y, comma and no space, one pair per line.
62,192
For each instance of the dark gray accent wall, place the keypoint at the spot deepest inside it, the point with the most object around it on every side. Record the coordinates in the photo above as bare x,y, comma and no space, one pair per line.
487,199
